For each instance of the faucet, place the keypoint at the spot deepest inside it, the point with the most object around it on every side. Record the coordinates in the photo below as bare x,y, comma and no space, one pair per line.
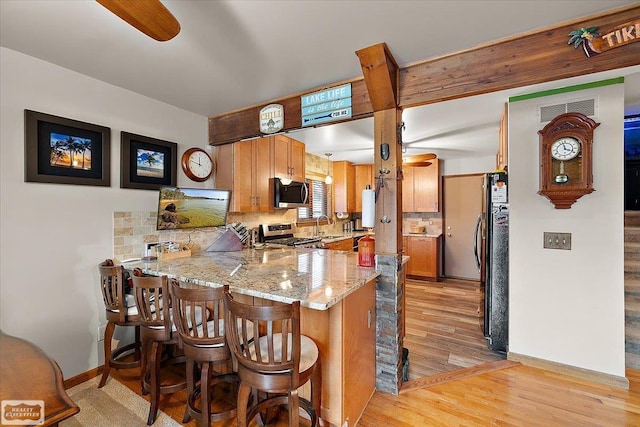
318,223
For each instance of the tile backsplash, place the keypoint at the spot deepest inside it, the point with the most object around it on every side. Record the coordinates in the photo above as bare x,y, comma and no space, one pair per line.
431,221
131,230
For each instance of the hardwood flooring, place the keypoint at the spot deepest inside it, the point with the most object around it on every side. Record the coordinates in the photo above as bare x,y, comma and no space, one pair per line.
456,381
514,396
443,332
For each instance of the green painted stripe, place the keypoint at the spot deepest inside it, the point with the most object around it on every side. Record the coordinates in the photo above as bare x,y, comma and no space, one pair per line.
584,86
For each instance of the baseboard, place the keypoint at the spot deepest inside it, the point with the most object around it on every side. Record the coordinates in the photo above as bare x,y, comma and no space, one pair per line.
587,374
85,376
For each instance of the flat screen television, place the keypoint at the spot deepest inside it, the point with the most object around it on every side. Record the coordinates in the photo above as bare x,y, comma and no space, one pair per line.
181,208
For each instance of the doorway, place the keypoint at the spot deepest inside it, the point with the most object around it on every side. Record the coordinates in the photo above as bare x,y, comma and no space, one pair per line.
462,195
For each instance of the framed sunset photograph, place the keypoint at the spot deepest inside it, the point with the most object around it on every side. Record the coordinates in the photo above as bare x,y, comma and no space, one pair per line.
65,151
147,163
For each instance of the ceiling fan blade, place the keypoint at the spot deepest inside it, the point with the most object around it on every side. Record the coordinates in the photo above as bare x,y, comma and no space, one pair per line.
149,16
419,159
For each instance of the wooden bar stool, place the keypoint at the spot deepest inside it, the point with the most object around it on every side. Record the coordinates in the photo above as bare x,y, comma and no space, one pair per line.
204,345
273,359
120,310
158,333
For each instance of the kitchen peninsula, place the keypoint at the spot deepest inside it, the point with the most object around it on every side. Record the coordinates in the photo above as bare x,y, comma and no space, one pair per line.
337,300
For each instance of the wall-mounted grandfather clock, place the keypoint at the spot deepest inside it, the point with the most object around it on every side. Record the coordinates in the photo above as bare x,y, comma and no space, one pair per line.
566,159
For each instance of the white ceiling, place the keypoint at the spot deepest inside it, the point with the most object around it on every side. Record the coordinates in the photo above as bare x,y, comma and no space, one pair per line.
233,54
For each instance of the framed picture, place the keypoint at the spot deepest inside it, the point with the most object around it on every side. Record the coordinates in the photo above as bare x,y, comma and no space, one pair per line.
65,151
147,163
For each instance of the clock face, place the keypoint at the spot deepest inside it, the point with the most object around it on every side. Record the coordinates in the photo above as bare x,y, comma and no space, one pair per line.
565,148
197,164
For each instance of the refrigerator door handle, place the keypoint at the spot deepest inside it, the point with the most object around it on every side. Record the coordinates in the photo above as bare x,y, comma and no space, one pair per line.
475,241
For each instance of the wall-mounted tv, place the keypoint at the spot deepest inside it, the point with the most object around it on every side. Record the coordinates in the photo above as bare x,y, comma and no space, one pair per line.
180,208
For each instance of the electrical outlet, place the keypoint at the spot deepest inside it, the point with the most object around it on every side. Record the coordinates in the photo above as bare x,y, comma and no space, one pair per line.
101,330
557,241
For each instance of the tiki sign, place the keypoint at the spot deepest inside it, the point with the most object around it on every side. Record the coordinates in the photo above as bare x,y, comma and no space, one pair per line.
594,42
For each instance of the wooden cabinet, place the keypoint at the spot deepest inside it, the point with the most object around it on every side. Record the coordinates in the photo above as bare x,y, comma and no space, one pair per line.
344,195
421,188
363,177
503,148
424,253
346,337
243,168
340,245
288,158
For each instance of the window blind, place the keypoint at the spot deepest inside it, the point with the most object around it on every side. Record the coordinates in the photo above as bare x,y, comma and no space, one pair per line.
320,201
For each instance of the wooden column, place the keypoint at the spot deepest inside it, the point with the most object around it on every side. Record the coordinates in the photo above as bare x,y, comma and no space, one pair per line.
381,78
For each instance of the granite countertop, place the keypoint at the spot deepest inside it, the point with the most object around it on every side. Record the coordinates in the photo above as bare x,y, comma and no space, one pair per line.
421,235
317,278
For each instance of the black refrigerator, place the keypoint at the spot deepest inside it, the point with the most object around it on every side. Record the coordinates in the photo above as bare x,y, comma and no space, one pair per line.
491,243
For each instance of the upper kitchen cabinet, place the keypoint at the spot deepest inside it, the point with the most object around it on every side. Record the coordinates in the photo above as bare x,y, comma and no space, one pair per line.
241,168
364,177
344,185
502,157
288,158
421,188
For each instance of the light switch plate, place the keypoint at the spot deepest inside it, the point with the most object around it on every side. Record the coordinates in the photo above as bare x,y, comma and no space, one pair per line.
557,241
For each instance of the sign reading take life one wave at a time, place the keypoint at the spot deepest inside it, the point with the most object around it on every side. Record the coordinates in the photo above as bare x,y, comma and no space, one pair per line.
326,105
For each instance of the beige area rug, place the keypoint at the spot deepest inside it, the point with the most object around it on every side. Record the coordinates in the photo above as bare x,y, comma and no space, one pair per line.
114,405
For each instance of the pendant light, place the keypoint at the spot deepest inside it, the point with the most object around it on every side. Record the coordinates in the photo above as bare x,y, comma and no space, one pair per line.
328,179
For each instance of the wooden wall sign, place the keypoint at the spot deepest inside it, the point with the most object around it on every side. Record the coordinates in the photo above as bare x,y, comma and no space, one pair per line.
272,118
326,105
593,42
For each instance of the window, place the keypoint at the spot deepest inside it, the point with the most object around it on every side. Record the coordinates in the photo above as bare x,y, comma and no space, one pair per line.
320,201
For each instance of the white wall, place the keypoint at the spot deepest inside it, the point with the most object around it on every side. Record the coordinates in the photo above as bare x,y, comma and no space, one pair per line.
568,306
53,236
469,165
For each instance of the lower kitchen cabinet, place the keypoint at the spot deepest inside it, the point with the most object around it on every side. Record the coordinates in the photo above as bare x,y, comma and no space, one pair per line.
346,337
424,253
340,245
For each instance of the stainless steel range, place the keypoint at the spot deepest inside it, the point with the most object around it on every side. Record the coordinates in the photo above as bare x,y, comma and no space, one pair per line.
282,235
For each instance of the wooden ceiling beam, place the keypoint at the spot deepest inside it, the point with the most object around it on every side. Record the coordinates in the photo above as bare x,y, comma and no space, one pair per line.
380,73
537,57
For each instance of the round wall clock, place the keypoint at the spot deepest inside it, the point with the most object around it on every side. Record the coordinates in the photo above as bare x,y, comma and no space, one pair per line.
566,163
197,164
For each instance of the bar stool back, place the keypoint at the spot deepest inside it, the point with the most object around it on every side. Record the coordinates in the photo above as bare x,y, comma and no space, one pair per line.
120,311
158,333
205,345
273,358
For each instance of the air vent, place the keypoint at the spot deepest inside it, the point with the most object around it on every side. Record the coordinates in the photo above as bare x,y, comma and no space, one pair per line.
586,107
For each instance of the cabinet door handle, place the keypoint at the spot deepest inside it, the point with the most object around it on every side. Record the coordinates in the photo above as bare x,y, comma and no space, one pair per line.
369,318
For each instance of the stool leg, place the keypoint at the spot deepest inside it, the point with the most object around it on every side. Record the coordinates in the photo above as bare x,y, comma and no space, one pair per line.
144,362
190,387
154,370
316,388
138,343
243,401
294,408
205,393
108,335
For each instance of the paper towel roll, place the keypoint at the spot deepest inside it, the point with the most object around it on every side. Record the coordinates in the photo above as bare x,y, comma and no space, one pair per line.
368,208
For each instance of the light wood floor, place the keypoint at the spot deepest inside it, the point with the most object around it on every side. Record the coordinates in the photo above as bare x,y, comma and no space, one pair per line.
456,381
443,332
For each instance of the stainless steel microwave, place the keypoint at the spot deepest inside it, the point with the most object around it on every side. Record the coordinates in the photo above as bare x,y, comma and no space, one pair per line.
289,194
